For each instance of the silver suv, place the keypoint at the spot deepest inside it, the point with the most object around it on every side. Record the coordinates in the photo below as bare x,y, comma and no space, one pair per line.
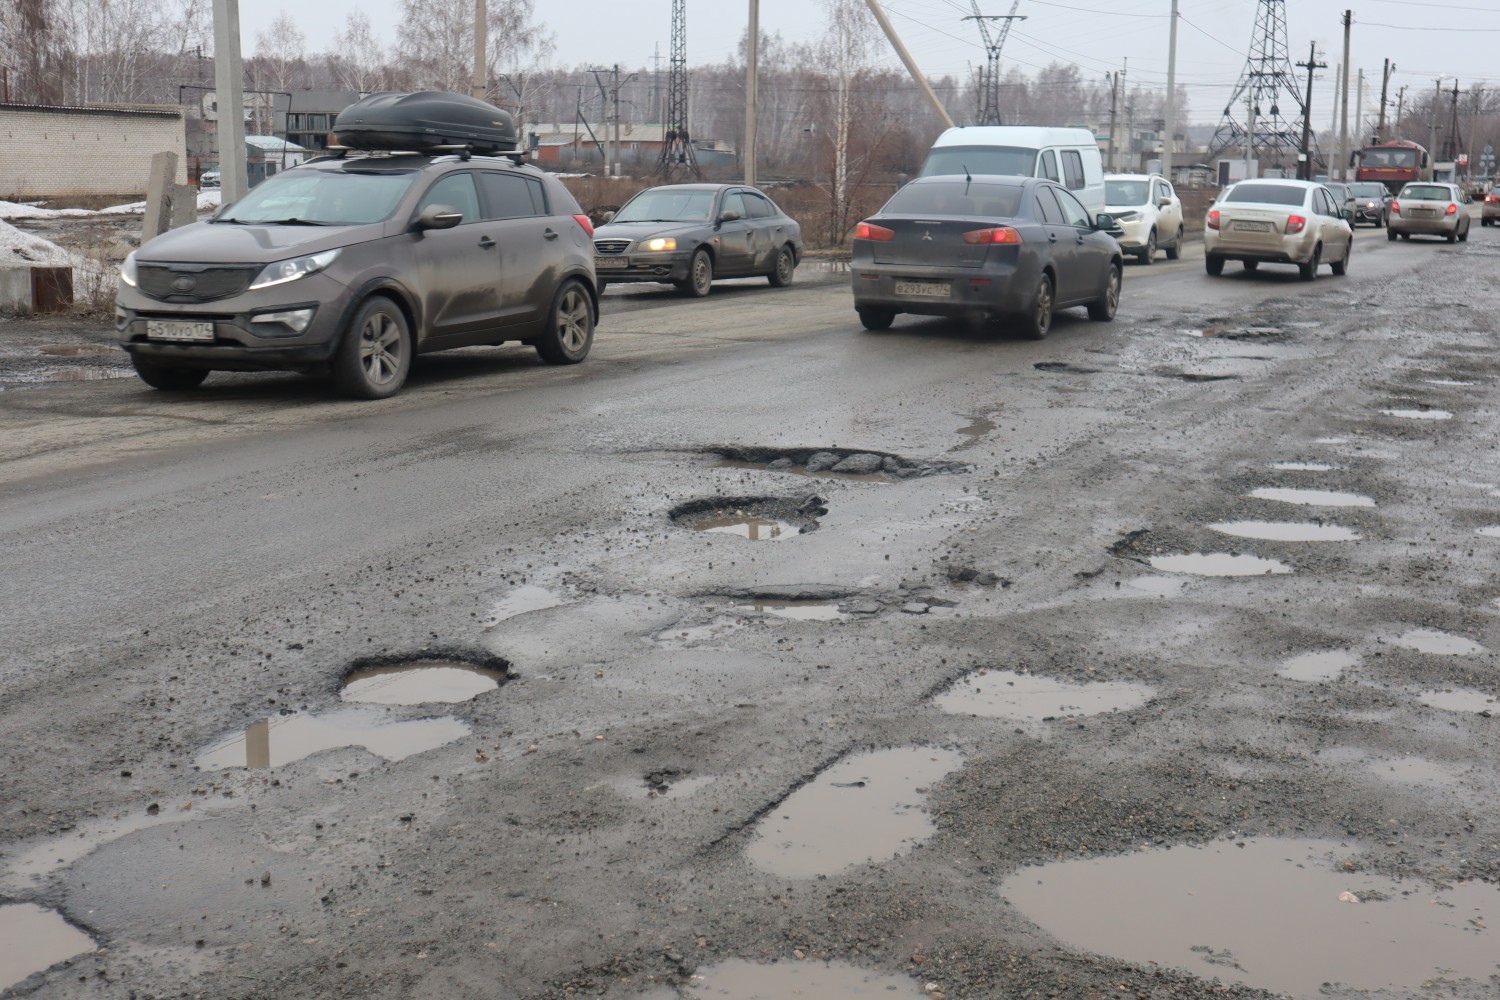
352,266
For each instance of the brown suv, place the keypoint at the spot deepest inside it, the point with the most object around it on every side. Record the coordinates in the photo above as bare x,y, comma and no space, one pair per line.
351,266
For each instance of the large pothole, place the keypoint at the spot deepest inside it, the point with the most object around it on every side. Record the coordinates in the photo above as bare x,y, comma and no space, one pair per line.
282,739
436,680
1005,694
33,939
834,463
755,518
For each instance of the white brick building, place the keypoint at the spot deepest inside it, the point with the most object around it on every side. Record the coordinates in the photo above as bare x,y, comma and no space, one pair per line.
58,152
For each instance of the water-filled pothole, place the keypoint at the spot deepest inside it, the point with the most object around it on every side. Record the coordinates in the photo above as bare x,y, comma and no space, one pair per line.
833,463
282,739
33,939
1413,771
667,783
523,600
1219,564
1312,498
1005,694
1303,466
1323,665
807,611
737,979
420,682
75,350
974,431
1419,414
1461,700
864,808
1281,915
1492,531
1427,640
1287,531
755,518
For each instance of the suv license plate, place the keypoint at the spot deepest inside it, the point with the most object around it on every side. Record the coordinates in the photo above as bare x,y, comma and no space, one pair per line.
161,329
936,289
607,263
1253,227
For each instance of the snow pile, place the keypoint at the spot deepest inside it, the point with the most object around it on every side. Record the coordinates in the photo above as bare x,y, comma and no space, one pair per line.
211,198
21,210
17,247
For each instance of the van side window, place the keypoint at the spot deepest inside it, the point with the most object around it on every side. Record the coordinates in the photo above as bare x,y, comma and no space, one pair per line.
1072,169
1049,166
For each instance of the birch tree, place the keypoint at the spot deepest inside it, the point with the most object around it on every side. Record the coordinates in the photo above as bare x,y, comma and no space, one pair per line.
359,59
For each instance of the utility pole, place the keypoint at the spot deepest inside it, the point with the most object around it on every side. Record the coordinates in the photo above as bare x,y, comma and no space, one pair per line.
910,64
1171,109
1114,95
1400,106
1344,106
1432,119
1451,145
1359,110
752,74
1306,171
481,43
229,94
614,93
1385,82
1250,136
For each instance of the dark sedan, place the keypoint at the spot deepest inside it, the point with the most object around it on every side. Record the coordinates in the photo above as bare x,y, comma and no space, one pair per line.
690,234
984,248
1372,203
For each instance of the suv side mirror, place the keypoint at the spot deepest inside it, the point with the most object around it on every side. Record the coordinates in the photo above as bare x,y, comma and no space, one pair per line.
607,217
1349,215
439,217
1164,202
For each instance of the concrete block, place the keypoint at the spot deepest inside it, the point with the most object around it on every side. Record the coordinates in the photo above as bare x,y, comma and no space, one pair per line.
184,205
160,191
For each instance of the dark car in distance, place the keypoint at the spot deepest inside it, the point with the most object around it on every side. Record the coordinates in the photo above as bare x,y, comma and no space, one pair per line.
1372,203
689,234
984,248
351,266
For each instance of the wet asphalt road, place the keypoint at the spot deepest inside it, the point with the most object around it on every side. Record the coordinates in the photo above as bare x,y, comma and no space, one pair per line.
180,567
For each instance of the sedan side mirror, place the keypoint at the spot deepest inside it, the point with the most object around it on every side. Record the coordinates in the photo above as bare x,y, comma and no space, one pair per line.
728,215
439,217
1105,223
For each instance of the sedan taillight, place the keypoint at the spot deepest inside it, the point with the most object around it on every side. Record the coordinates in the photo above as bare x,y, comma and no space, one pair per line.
1395,208
1213,219
1295,224
1452,209
869,231
1492,198
1000,234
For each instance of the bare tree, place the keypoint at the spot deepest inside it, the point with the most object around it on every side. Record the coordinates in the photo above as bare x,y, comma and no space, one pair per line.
846,49
359,59
436,40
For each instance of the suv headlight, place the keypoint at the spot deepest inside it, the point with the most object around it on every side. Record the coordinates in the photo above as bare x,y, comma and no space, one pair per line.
1127,216
127,269
283,271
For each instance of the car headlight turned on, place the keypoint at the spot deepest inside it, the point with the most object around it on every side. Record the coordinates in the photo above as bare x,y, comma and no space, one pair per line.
291,321
127,269
283,271
660,243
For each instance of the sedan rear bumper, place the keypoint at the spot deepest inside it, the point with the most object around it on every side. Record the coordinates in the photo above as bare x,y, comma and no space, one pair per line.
1440,226
990,293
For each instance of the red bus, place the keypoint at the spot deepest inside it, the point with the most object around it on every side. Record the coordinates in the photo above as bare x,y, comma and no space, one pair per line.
1394,163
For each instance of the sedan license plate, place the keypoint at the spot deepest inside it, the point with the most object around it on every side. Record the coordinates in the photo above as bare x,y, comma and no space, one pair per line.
1421,213
933,289
606,263
1252,227
162,329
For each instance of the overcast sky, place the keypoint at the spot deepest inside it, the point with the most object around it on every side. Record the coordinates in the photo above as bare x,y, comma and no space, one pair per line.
1425,40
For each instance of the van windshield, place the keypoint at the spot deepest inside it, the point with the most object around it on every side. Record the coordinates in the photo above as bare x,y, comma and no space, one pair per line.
1010,160
323,198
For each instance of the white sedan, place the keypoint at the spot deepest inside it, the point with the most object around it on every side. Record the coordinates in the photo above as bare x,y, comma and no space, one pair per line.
1277,221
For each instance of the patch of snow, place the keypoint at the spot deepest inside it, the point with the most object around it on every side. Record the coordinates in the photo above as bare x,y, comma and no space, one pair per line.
17,247
212,198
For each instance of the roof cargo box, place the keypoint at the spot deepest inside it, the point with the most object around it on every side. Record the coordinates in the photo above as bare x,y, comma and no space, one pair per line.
425,120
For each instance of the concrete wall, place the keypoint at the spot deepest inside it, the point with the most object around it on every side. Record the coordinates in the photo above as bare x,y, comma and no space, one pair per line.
50,152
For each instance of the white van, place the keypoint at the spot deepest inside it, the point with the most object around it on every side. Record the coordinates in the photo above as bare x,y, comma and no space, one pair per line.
1069,156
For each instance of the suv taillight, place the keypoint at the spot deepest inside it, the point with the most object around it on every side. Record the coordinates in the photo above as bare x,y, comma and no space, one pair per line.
1295,224
588,227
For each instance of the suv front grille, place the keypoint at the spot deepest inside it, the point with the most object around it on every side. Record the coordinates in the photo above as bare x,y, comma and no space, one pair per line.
610,246
193,283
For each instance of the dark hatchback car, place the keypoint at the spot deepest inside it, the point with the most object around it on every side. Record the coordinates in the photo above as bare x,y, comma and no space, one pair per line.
984,248
351,266
690,234
1372,203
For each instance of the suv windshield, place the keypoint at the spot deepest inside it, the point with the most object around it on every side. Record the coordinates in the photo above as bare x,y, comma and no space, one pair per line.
323,198
971,160
1266,194
667,206
956,198
1125,192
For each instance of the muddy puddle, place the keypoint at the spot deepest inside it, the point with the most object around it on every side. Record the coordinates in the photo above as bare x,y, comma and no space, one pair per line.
523,600
977,428
420,682
1322,665
664,785
1279,915
1219,564
737,979
868,807
1493,531
33,939
804,611
1419,414
55,854
1330,440
1303,467
76,350
757,529
1158,586
1005,694
1286,531
759,519
1461,700
1312,498
1427,640
282,739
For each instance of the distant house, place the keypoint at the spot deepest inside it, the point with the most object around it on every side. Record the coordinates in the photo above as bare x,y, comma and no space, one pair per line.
85,151
266,155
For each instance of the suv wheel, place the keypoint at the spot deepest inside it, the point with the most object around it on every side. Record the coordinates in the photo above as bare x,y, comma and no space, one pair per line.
786,268
1175,250
700,277
166,377
1148,252
374,357
570,327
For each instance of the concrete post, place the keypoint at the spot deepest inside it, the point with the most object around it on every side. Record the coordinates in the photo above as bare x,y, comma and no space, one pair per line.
229,89
161,192
184,205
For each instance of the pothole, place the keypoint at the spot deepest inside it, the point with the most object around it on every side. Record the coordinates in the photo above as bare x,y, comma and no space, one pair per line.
67,374
737,979
1159,586
282,739
1427,640
807,611
755,518
1323,665
523,600
1413,771
420,682
1287,531
1330,440
1187,376
33,939
1312,498
974,431
1219,564
1064,367
667,783
1492,531
864,808
1005,694
1423,414
1461,700
832,463
1303,467
1280,915
75,350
